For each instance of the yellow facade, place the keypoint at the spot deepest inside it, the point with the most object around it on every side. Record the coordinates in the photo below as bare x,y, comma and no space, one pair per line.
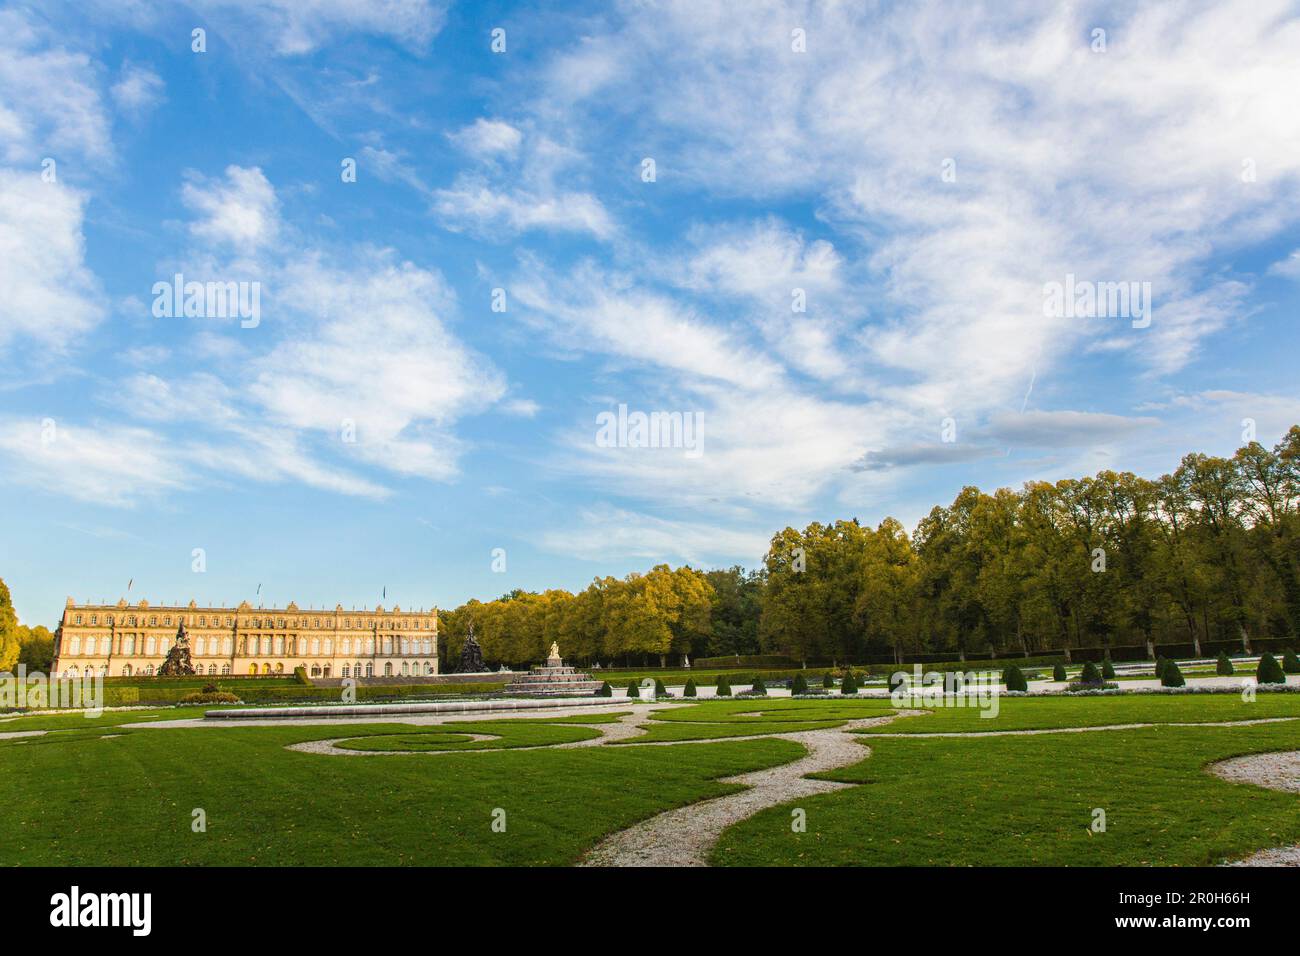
124,640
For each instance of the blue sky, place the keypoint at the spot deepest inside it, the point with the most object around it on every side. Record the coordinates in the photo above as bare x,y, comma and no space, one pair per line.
920,171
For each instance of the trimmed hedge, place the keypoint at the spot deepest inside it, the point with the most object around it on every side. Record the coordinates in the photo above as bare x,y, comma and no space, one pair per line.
1107,670
1290,663
759,687
690,690
1223,667
848,685
1172,676
1058,673
1014,679
1269,670
800,685
1091,676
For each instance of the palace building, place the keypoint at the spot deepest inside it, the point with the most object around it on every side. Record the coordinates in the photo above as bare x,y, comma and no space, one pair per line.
125,640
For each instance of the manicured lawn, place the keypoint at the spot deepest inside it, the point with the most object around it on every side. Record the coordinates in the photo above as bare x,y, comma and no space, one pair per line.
75,797
738,718
95,792
1021,801
1034,713
506,734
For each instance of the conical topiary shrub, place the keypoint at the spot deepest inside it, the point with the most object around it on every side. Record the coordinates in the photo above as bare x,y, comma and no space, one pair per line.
724,687
1014,679
1058,672
690,688
1090,674
800,685
1269,670
1172,677
1160,665
1107,670
660,689
848,685
828,681
1224,666
605,690
1290,663
758,686
633,689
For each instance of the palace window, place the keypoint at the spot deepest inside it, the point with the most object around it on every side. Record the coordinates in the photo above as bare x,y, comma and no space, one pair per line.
347,670
345,646
212,669
329,646
78,618
94,619
279,645
203,620
167,621
198,646
228,622
225,668
90,646
315,645
356,669
370,669
131,620
226,645
126,670
128,644
74,646
327,671
151,646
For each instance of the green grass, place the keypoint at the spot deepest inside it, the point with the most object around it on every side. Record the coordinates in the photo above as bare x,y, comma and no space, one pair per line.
96,792
739,718
1025,801
73,798
506,734
1037,713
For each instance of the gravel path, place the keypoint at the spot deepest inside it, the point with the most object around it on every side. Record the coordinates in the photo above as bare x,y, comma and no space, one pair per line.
1276,771
684,837
1085,730
23,733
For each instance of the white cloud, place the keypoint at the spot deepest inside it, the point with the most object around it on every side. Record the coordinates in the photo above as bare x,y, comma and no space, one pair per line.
471,203
595,311
138,89
605,532
241,211
375,351
862,123
50,104
89,462
50,297
486,137
1288,267
295,27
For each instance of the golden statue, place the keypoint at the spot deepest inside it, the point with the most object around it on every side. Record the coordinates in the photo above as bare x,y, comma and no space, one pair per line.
555,651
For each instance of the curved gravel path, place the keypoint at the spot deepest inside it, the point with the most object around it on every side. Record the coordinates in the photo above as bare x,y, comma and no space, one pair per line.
684,837
1276,771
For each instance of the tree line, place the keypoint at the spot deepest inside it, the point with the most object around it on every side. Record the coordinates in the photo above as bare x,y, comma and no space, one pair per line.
20,644
1209,552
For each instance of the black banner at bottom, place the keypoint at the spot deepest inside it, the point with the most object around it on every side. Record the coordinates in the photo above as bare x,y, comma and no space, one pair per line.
334,904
